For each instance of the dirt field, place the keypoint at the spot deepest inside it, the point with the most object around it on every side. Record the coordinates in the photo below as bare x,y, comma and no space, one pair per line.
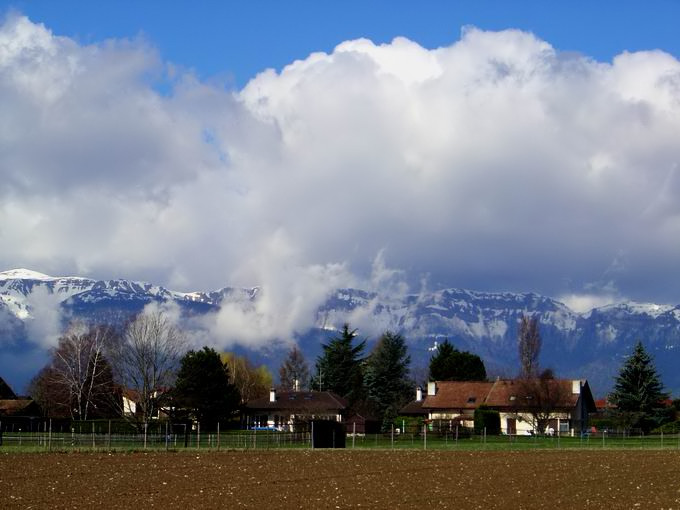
343,479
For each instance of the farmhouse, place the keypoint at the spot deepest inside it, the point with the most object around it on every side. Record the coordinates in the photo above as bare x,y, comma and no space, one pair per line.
292,410
524,406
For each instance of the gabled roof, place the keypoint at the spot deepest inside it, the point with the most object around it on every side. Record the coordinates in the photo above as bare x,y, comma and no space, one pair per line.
300,401
19,407
499,394
458,395
511,393
5,390
415,407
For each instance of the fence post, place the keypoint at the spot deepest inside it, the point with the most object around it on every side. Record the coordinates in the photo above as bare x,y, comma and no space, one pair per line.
93,441
198,434
49,437
311,436
393,436
145,427
218,436
424,436
108,441
354,433
166,436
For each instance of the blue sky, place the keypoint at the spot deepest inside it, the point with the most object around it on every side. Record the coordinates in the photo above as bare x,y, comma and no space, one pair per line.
236,40
389,149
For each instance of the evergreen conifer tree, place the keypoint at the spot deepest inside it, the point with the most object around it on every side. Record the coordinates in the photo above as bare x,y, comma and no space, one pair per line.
450,364
203,389
339,368
386,377
638,390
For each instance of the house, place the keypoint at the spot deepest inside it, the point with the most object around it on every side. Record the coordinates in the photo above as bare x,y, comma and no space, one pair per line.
17,412
131,403
525,406
19,408
292,410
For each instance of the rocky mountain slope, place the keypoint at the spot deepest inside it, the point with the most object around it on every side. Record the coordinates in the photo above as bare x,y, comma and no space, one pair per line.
590,345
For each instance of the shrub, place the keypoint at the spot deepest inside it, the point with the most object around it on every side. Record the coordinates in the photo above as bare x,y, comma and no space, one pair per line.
672,427
489,419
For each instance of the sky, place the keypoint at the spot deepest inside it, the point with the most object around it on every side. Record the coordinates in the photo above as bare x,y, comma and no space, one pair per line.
306,146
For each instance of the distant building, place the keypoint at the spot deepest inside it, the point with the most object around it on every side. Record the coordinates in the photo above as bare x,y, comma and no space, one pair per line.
454,403
293,410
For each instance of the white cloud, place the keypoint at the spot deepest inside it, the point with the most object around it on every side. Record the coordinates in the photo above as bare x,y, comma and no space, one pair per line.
45,325
494,163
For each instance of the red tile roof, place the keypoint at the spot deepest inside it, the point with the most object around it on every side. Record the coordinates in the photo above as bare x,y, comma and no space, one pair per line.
458,395
499,394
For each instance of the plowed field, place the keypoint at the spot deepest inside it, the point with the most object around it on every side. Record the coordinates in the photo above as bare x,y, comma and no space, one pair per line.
343,479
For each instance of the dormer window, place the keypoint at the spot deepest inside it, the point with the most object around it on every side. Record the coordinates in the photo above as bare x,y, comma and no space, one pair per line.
472,400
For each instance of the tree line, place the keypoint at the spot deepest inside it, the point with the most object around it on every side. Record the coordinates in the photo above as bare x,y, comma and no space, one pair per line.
93,368
140,370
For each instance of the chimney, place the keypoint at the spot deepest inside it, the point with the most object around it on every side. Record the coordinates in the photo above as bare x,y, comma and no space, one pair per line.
272,395
419,394
431,388
576,387
296,385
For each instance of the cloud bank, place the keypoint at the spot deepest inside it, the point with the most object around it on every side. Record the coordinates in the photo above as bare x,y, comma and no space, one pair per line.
495,163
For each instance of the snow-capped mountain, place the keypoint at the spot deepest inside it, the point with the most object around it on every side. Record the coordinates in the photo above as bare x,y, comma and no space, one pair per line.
591,344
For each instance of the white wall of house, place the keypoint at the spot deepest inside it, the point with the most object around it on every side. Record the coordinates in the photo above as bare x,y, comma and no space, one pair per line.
129,406
524,422
287,423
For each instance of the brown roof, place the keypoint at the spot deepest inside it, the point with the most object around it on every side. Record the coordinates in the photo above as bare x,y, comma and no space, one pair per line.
300,401
413,407
19,407
458,395
512,393
502,393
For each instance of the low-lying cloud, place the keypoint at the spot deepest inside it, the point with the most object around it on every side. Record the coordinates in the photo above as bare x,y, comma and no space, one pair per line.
495,163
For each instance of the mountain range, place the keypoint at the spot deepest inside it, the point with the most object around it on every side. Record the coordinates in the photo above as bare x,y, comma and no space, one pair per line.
588,345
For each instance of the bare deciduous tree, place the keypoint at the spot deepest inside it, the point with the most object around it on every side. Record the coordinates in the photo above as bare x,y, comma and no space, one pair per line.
146,362
543,397
294,371
529,346
78,381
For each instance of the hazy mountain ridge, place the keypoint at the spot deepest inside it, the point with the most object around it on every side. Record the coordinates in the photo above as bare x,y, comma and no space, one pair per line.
590,344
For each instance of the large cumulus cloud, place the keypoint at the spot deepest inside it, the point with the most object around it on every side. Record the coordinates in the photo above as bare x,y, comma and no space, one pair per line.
497,162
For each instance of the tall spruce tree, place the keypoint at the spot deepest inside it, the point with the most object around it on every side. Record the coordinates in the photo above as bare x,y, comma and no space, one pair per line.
638,391
203,389
339,368
450,364
386,377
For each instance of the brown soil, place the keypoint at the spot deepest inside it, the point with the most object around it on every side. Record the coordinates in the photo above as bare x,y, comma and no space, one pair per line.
343,479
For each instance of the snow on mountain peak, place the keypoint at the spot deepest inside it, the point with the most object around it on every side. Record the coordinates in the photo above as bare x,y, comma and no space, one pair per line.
24,274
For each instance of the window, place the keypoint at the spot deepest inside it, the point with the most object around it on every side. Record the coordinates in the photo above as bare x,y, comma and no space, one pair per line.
472,400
